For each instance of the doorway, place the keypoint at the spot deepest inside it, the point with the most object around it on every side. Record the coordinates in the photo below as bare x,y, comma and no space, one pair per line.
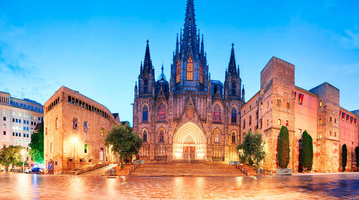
189,152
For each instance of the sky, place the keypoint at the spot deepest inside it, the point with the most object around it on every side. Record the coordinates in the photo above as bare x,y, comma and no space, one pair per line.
96,47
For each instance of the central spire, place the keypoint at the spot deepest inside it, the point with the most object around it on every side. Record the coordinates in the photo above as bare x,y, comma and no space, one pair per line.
190,30
147,66
232,62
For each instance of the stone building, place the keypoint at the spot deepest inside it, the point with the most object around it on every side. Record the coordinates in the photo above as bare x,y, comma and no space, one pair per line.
19,118
75,129
190,116
281,103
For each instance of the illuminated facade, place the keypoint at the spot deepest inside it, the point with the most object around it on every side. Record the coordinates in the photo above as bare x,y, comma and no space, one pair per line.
281,103
19,118
75,129
191,116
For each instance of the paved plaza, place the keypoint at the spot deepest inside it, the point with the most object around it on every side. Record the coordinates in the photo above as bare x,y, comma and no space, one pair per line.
26,186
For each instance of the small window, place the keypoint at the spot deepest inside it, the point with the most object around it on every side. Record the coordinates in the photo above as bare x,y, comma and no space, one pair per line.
74,122
233,137
330,119
320,121
85,126
234,115
85,148
144,137
4,133
343,116
319,135
244,124
301,96
57,123
217,138
335,120
347,118
250,121
261,106
355,121
145,113
288,105
217,113
286,123
279,121
4,118
320,103
102,132
162,136
351,119
335,134
279,102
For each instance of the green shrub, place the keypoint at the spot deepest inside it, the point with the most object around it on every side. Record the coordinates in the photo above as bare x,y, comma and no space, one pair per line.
344,156
284,148
307,151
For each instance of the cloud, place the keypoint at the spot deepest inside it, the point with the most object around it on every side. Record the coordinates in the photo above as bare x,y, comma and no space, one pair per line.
351,38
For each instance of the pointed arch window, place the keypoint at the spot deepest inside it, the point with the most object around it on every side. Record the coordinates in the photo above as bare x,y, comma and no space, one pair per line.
162,135
178,72
233,137
234,115
189,69
201,73
145,84
233,88
144,136
217,113
216,134
145,113
161,113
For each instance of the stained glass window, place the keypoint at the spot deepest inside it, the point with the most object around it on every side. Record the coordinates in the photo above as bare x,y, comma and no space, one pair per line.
233,137
161,114
178,72
234,115
144,138
190,69
162,136
145,113
217,113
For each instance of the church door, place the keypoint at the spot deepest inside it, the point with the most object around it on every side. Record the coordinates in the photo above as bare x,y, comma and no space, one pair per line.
185,152
189,152
192,152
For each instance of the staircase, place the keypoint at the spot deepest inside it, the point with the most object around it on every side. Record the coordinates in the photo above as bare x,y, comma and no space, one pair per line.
199,169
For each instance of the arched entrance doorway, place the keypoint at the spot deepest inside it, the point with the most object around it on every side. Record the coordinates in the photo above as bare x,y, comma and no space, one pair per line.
189,143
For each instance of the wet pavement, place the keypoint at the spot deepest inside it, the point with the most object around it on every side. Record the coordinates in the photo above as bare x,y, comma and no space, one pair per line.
26,186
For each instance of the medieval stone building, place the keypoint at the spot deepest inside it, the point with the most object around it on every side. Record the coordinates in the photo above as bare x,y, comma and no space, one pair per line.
191,116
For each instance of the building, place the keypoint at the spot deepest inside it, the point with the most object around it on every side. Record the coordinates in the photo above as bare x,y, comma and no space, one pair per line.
280,102
19,118
190,116
75,129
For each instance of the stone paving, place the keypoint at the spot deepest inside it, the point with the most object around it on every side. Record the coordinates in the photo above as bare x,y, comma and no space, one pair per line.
26,186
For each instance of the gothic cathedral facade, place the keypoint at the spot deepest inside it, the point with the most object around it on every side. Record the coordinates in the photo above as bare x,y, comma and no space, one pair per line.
191,116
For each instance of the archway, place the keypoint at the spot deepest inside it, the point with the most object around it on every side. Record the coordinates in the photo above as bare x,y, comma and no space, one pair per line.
189,143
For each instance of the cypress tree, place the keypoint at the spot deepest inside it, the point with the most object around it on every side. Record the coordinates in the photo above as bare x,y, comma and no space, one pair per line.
357,157
310,167
284,148
305,150
344,156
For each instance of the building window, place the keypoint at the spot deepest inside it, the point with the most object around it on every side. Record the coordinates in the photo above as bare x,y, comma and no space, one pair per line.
233,88
85,126
4,125
4,118
145,83
144,137
267,122
347,118
351,119
190,69
57,123
279,122
162,136
301,96
330,119
261,106
279,102
217,113
343,116
233,138
74,122
319,135
320,103
178,72
355,121
4,133
85,148
217,138
335,120
286,123
287,105
335,134
320,120
250,121
161,113
102,132
244,124
145,113
234,115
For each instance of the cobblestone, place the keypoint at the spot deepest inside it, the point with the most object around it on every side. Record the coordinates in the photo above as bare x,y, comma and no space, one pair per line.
25,186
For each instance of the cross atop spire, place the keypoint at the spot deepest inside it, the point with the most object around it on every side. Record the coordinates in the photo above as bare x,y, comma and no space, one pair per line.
232,69
147,65
190,29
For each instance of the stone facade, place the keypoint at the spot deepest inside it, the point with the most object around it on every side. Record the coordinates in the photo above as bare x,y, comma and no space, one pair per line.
280,103
192,116
75,129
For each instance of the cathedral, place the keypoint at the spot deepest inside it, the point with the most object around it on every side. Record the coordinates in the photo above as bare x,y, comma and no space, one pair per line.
189,116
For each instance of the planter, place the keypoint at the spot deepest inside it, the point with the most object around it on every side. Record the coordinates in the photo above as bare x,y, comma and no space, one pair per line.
284,172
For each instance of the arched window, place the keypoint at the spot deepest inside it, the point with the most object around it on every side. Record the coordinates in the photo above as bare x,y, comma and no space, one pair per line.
217,113
216,135
250,120
145,113
233,137
144,136
178,72
215,89
233,88
190,69
162,136
201,73
161,113
234,115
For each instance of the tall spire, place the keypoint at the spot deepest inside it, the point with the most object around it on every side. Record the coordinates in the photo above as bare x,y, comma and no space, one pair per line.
147,66
177,46
232,62
202,46
190,29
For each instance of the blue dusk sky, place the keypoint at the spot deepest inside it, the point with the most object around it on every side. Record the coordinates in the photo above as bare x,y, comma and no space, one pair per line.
96,47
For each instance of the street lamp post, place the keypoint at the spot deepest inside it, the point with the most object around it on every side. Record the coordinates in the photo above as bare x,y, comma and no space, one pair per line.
23,157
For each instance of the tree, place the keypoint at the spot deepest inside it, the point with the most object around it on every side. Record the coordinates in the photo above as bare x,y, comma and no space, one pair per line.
357,157
344,156
37,145
284,148
10,155
124,141
252,148
307,151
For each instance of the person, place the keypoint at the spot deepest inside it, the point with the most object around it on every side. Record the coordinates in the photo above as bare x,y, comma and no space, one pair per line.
50,167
